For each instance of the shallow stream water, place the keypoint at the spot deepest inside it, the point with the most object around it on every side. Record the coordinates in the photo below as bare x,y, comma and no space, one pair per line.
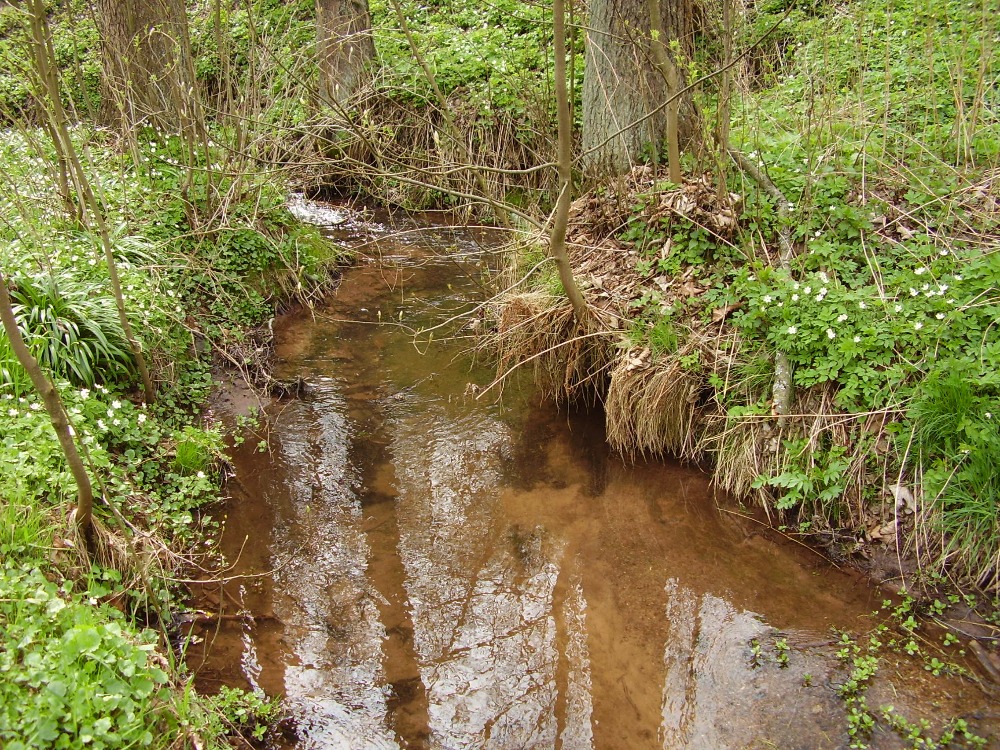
414,567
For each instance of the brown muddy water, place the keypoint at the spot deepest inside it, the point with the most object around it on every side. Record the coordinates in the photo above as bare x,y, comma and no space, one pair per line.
416,568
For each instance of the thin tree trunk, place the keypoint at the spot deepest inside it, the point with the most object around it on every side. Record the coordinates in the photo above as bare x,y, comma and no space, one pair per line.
54,406
668,71
557,241
725,91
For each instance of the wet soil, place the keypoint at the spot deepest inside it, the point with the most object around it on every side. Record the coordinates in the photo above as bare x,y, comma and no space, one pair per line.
416,568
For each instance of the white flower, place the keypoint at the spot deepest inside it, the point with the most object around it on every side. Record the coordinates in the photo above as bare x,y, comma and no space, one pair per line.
943,287
957,277
939,316
12,412
857,339
35,406
898,308
943,251
101,425
795,298
921,271
201,475
842,317
830,334
862,305
988,415
72,432
793,330
116,404
142,418
925,287
84,392
807,290
913,292
117,422
111,412
918,325
767,299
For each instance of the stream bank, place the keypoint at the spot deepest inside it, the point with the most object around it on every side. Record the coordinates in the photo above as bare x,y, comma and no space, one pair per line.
681,348
413,567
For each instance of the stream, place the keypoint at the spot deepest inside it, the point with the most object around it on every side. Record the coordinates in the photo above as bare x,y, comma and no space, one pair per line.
413,567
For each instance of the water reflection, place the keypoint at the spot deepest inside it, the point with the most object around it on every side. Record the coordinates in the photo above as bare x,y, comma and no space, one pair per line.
451,574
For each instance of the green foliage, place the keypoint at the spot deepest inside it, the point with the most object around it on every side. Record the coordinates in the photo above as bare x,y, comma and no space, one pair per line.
73,674
957,441
252,714
814,475
71,327
184,264
197,450
671,244
892,638
495,55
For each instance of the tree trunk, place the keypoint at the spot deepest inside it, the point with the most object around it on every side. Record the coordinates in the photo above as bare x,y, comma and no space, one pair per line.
623,89
146,58
54,407
346,47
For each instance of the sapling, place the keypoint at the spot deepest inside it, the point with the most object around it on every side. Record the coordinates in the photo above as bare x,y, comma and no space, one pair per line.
54,406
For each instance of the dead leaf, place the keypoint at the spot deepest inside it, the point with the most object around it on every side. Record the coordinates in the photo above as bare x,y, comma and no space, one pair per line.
903,497
690,289
721,313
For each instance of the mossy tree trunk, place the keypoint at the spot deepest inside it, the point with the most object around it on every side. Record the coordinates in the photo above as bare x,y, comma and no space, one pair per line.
623,86
346,48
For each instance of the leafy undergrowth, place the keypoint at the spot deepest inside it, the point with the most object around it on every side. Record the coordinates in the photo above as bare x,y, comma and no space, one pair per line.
87,659
878,123
882,134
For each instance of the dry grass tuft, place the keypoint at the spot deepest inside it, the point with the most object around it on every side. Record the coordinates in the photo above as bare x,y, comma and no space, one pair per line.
568,359
651,408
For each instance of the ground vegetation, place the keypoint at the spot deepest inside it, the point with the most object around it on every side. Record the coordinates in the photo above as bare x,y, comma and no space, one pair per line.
803,296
